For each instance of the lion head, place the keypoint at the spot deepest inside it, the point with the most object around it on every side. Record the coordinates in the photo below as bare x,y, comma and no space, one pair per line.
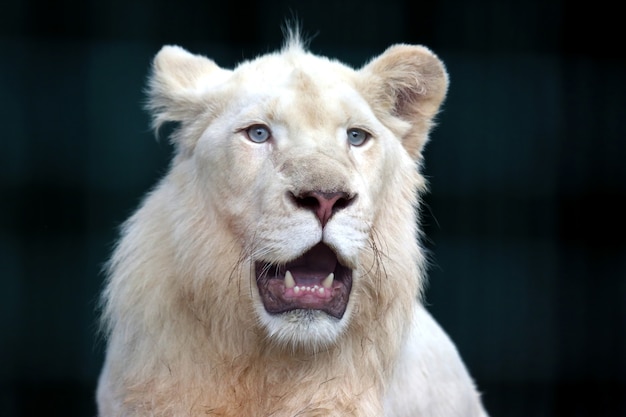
306,163
292,197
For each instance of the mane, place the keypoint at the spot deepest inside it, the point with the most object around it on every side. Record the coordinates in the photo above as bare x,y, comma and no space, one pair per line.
294,37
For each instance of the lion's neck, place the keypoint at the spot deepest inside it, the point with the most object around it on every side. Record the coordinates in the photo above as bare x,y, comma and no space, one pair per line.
265,380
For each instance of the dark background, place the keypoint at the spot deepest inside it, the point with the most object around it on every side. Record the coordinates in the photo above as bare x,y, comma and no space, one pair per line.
525,217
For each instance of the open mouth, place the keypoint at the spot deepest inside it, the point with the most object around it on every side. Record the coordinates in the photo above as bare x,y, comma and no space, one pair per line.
314,281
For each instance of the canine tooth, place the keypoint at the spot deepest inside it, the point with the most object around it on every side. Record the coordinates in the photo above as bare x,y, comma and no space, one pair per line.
289,281
328,281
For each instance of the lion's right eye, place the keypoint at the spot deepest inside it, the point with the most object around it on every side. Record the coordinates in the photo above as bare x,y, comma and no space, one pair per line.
258,133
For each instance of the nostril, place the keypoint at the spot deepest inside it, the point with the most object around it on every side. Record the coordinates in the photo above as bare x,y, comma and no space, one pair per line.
342,203
307,202
323,204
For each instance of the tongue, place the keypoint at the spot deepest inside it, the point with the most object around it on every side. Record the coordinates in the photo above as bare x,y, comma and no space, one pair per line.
317,263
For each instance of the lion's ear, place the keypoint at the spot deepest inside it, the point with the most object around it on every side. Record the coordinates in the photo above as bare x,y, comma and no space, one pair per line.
179,84
408,82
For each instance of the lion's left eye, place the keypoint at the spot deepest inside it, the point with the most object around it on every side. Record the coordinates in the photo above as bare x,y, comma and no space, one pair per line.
357,137
258,133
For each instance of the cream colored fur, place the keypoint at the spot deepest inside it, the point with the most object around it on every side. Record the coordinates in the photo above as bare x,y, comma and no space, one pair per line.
187,332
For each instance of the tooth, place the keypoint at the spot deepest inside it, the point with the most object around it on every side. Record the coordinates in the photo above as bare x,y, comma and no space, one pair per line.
321,290
296,289
289,281
328,281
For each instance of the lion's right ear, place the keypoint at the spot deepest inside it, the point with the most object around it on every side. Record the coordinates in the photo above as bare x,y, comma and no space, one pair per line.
179,85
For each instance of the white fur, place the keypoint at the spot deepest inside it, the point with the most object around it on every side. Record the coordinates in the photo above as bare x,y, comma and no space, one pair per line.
430,378
188,334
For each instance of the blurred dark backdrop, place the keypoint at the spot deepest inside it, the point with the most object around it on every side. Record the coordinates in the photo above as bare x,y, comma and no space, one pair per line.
525,217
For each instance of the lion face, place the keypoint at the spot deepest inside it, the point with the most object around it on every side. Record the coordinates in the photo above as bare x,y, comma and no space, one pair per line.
300,157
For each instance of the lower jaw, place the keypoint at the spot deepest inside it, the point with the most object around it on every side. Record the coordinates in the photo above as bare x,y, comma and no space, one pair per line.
309,331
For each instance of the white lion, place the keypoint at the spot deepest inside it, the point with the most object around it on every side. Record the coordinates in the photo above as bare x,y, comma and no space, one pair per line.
276,269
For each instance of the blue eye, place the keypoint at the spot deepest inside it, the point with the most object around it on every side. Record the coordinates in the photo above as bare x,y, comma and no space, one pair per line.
258,133
357,137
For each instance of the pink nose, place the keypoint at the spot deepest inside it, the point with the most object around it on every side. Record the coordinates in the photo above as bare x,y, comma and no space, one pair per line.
323,204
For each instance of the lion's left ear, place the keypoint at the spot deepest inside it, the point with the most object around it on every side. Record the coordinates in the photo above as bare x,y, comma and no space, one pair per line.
408,82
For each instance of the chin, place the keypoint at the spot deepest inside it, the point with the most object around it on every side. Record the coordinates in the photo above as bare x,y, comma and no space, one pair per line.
302,329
